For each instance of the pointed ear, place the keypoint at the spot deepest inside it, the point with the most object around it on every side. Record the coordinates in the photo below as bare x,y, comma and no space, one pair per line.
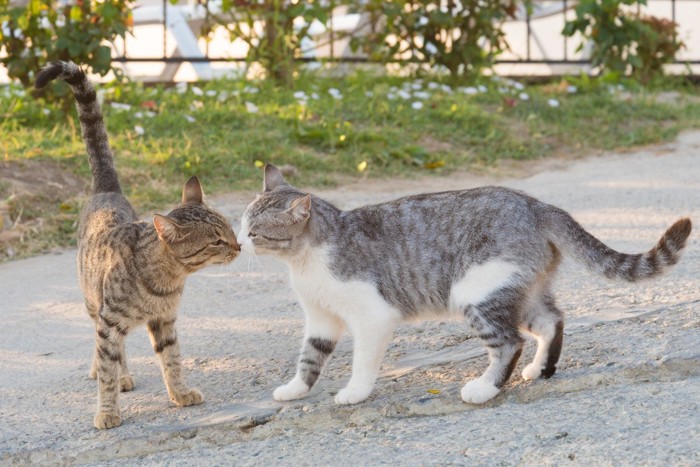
273,178
168,231
192,191
300,210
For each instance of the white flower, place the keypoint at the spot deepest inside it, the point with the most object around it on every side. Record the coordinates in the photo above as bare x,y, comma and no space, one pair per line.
393,89
518,86
138,114
314,96
333,91
404,95
211,93
391,96
46,111
251,108
571,89
417,105
120,106
421,95
503,90
470,90
553,103
423,20
139,130
433,85
523,96
197,91
482,88
430,48
181,87
300,95
149,114
190,119
223,95
446,89
416,86
251,90
196,105
369,94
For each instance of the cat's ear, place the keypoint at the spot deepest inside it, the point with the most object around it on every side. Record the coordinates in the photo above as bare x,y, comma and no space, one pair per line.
273,178
192,191
168,231
300,210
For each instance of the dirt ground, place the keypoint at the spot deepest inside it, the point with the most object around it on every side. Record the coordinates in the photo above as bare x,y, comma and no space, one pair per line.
627,390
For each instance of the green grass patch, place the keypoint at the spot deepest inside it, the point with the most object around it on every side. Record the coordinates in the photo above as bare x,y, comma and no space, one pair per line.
327,129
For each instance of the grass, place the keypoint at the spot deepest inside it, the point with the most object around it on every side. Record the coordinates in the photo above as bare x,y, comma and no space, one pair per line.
223,131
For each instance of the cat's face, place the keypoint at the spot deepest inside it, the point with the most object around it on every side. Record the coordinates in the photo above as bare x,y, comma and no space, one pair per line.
194,233
275,222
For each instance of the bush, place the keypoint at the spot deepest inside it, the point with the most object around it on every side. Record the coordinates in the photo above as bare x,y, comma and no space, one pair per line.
47,30
272,29
622,42
463,37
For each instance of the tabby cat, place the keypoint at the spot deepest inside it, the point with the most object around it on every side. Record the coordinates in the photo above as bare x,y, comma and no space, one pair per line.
487,254
133,272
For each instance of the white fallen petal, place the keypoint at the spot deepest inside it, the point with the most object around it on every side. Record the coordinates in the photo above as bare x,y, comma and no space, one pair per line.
120,106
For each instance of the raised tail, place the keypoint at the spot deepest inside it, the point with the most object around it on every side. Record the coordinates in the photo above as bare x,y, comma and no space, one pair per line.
571,238
104,175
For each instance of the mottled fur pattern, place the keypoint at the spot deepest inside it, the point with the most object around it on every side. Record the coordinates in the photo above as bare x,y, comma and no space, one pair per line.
488,255
133,272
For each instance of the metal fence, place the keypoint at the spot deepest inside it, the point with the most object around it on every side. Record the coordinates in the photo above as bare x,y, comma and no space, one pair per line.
534,36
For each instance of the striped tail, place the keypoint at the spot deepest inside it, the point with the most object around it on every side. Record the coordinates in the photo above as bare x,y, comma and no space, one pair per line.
598,257
104,175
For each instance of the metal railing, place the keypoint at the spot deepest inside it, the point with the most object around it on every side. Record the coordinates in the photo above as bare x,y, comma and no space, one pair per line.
562,9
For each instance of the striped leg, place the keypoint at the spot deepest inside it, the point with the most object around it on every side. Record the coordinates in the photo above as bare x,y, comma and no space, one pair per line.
126,381
322,333
495,322
164,341
108,352
544,321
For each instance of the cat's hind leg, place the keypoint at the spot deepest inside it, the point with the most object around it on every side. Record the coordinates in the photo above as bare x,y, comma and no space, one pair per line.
126,381
495,322
107,350
323,330
545,323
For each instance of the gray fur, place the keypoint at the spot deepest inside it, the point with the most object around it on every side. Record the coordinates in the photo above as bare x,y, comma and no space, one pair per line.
415,249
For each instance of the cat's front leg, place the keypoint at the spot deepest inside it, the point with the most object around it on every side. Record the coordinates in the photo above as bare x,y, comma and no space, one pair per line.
108,344
322,333
371,337
164,341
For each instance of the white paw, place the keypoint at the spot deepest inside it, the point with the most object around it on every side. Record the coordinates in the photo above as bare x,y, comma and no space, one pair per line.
478,391
532,371
349,395
295,389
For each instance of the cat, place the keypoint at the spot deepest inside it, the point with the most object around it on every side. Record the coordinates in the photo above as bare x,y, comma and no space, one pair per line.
133,272
486,254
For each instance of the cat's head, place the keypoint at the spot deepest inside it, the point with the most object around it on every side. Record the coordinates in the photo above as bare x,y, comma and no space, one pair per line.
275,222
195,234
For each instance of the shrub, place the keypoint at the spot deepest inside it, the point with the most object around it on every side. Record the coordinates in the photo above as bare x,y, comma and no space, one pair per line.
624,42
464,37
46,30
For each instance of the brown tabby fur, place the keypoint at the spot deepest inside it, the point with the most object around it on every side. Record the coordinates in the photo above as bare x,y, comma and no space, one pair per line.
133,272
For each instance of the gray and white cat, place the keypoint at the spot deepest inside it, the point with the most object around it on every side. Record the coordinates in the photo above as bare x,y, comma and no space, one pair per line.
133,272
488,255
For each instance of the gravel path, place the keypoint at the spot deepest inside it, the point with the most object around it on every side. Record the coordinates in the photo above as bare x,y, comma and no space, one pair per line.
627,390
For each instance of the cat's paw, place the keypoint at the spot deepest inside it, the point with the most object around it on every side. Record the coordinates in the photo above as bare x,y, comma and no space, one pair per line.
126,383
106,420
349,395
191,397
532,371
295,389
478,391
